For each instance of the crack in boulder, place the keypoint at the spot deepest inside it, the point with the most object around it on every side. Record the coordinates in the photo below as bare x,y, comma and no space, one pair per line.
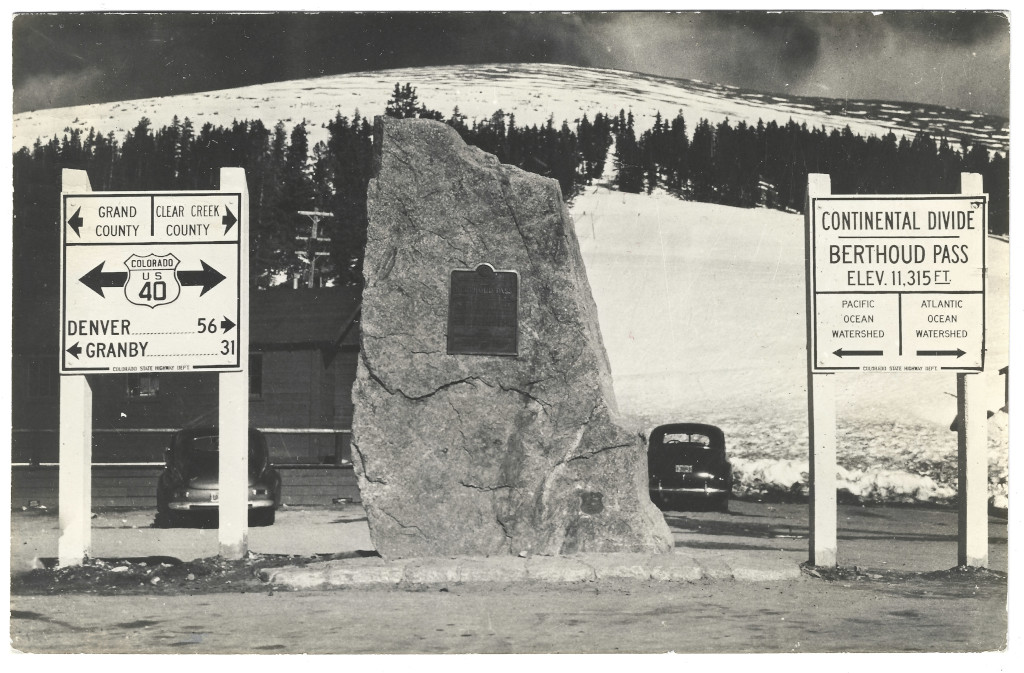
479,487
362,464
528,395
405,527
451,384
590,454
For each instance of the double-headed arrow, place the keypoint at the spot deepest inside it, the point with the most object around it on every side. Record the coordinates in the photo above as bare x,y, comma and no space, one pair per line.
97,279
845,353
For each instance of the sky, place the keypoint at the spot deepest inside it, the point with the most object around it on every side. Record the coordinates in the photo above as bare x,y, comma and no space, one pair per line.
953,58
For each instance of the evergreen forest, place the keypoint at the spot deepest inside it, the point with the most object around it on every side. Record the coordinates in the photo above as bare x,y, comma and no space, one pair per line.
734,164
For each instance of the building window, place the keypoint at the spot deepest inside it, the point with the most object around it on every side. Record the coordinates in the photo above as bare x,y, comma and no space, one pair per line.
43,378
256,375
142,386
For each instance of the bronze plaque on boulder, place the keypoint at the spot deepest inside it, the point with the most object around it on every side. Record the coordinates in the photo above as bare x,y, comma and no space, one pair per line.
483,312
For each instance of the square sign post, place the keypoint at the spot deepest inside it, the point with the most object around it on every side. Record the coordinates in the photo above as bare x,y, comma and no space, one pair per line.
821,423
896,284
74,480
233,403
153,282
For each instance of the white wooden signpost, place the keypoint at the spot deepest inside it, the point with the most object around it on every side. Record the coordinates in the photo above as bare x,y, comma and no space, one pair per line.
896,284
153,282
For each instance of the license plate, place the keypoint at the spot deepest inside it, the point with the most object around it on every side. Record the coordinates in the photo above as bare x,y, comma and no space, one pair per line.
684,469
214,497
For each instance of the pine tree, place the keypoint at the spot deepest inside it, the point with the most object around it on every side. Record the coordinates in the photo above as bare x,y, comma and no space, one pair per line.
404,103
457,121
601,143
628,164
677,156
347,168
702,162
997,183
137,158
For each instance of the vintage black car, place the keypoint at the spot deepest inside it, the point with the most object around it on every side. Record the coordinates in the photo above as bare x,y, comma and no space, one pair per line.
189,483
688,467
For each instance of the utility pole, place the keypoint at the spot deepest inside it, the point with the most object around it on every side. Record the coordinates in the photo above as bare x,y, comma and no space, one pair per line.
311,242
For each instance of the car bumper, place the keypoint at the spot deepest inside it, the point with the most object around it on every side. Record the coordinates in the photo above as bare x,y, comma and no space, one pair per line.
703,491
210,506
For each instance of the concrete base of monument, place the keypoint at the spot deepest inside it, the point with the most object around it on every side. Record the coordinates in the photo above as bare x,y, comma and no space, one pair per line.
690,565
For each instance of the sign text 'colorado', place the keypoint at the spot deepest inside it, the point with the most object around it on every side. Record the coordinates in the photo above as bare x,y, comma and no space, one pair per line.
150,282
898,282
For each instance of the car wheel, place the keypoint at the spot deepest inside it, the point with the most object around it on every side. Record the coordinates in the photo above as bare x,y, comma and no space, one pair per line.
723,504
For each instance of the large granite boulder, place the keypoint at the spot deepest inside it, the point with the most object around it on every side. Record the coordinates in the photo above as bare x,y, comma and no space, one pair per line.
485,454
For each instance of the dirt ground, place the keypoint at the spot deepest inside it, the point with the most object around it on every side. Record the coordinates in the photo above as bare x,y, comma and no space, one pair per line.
896,590
942,612
900,538
133,533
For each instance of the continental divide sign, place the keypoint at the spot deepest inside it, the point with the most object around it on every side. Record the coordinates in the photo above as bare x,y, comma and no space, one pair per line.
150,282
898,282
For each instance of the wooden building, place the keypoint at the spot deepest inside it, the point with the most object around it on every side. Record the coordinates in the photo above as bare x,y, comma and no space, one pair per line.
303,349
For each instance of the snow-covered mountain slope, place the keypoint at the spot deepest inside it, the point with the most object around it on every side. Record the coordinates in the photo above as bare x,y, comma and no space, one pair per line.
534,92
701,306
702,313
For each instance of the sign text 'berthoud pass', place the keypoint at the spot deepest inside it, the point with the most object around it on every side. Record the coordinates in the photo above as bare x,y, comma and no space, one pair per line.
898,282
150,282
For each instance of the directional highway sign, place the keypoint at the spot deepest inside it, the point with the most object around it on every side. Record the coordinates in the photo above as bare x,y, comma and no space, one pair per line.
150,282
897,283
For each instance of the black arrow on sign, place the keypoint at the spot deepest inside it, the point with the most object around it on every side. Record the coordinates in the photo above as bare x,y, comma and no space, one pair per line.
844,353
958,352
75,350
226,324
228,220
208,277
97,279
76,221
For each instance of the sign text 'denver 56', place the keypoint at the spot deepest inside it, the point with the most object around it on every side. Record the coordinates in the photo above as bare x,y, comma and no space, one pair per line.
897,282
150,282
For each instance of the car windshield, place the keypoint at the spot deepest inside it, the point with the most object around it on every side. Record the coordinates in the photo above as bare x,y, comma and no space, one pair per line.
201,452
698,444
683,438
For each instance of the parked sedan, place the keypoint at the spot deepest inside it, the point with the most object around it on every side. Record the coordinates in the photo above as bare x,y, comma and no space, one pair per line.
688,466
189,482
